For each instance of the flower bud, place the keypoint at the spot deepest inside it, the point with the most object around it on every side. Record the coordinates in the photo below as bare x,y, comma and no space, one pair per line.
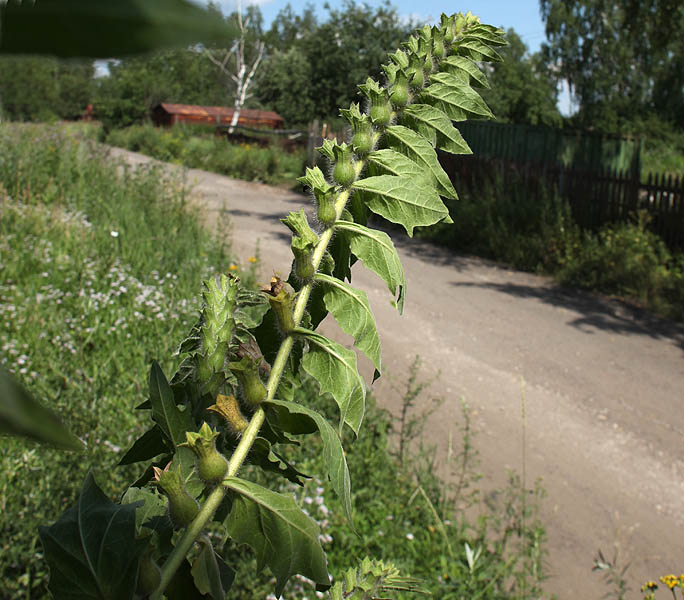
343,173
281,298
247,372
399,96
183,508
326,212
438,49
229,408
211,465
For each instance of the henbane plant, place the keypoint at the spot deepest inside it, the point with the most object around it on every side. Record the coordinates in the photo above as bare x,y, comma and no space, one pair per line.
232,398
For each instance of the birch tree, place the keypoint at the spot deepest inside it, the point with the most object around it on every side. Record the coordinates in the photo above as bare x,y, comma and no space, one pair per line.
239,63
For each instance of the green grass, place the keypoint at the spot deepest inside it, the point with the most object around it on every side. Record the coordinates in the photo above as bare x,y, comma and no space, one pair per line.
423,534
198,148
100,275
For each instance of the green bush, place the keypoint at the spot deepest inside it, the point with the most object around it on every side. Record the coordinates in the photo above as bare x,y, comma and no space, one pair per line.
627,260
100,289
197,147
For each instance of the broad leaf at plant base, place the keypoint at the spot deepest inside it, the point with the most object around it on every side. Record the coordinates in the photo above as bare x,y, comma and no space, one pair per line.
92,550
282,536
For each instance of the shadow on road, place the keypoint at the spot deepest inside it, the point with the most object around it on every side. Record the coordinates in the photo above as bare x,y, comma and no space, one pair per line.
594,312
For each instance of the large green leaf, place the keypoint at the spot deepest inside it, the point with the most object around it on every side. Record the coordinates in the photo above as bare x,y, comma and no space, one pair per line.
171,420
106,29
21,414
149,505
476,49
282,536
92,550
403,200
262,454
458,101
210,573
468,69
147,446
333,454
352,312
391,162
436,127
418,149
376,250
334,367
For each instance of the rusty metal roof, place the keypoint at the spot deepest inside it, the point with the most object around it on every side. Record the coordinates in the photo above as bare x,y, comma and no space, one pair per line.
218,111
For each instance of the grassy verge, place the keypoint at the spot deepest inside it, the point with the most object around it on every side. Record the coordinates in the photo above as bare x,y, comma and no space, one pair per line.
199,148
99,277
536,232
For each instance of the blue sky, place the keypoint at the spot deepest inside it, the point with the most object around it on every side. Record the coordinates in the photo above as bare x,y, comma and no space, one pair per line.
522,15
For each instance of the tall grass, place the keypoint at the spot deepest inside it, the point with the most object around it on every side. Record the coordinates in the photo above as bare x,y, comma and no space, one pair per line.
199,148
100,267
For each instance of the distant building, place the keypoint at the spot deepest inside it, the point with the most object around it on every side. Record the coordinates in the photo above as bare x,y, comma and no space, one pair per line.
170,114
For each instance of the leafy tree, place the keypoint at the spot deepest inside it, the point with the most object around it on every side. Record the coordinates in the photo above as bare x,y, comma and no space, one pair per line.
622,60
345,48
522,90
40,88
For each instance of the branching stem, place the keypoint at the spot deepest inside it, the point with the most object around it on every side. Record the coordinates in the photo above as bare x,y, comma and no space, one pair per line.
213,501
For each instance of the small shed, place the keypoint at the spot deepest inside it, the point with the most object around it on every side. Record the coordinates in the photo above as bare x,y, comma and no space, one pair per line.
170,114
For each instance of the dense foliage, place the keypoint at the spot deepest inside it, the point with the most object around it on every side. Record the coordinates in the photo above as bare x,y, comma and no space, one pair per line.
43,89
98,290
624,61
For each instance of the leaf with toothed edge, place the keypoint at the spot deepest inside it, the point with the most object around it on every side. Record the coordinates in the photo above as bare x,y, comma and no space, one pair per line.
377,252
334,368
466,68
418,149
351,310
333,454
435,126
403,200
282,536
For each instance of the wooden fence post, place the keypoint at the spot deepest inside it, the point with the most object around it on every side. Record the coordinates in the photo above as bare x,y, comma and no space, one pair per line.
313,142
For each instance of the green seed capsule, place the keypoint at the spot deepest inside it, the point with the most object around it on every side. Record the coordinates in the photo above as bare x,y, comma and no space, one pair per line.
343,173
362,142
183,508
400,91
381,114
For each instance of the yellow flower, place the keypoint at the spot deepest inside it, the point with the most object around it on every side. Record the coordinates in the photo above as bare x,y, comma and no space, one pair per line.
252,259
649,586
233,267
669,580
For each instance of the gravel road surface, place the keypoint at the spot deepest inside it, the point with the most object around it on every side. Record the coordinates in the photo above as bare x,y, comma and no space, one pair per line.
602,385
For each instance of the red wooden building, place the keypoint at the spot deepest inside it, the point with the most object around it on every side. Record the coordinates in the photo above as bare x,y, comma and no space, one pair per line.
170,114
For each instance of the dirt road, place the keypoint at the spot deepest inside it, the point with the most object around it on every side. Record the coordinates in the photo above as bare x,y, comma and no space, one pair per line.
603,387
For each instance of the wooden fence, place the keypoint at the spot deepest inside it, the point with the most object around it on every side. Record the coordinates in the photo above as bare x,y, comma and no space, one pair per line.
596,198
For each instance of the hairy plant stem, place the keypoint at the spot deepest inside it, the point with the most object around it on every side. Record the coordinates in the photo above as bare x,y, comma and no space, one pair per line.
213,501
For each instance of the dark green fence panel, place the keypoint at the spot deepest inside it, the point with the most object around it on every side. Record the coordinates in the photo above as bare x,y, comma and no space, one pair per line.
573,149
